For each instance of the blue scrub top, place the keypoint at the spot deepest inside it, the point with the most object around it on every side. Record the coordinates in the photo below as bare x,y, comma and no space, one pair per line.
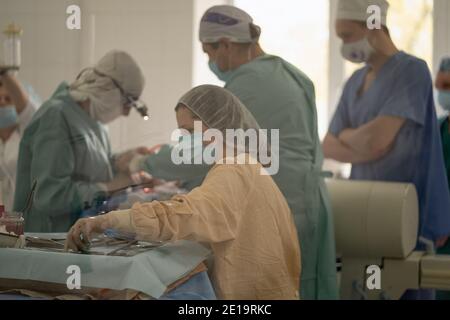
403,88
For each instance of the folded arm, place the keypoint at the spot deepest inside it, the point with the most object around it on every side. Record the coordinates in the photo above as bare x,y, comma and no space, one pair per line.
367,143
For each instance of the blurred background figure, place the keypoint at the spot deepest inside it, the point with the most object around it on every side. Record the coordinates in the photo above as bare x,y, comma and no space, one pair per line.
385,124
281,97
442,84
18,103
66,151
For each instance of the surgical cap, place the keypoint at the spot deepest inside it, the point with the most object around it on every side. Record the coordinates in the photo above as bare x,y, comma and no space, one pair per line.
218,108
357,10
121,67
445,65
226,22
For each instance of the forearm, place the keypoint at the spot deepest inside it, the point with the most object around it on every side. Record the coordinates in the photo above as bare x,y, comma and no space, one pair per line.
176,219
368,145
337,150
118,220
153,221
18,95
374,139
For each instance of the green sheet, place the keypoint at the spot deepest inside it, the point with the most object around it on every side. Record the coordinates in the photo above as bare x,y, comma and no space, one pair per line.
150,272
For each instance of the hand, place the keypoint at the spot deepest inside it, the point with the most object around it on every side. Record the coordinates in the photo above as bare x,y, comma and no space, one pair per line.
122,162
79,236
441,242
155,149
142,178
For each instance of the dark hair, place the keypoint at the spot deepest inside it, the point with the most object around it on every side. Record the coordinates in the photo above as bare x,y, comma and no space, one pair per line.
182,106
255,31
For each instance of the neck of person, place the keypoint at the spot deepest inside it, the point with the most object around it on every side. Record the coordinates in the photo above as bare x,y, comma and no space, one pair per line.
246,57
382,55
6,133
256,51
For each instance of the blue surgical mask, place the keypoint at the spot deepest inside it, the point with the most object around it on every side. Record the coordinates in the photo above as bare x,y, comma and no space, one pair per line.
223,76
444,99
8,117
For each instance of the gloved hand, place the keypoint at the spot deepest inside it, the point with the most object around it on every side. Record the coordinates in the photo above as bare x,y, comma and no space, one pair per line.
123,160
135,164
143,179
79,236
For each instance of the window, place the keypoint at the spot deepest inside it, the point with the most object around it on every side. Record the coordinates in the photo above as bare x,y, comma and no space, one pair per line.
302,32
297,31
410,23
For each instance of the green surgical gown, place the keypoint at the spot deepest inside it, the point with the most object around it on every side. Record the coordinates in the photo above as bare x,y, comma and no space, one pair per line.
67,153
281,97
445,134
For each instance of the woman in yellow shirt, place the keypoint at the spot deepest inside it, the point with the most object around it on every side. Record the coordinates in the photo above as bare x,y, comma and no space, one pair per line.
239,212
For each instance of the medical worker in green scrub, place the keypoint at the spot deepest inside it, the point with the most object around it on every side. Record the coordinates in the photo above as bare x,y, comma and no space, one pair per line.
65,148
280,97
443,87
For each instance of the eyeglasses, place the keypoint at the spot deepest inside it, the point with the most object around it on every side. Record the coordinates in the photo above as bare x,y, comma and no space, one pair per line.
130,100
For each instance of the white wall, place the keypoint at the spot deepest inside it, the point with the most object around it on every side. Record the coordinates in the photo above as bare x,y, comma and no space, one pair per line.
157,33
50,52
441,27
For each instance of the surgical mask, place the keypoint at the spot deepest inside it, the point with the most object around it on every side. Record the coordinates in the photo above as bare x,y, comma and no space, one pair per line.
106,108
444,99
8,117
357,52
223,76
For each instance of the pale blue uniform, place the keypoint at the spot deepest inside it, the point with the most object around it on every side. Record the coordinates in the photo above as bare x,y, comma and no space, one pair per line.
403,88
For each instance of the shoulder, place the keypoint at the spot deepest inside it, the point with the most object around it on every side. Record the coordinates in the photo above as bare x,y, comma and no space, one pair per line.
242,76
245,169
412,66
49,116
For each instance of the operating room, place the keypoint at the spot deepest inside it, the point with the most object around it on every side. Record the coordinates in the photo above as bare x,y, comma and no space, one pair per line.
224,150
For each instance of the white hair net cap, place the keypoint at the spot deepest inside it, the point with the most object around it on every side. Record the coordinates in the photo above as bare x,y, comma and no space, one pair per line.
121,67
117,69
218,108
357,10
226,22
